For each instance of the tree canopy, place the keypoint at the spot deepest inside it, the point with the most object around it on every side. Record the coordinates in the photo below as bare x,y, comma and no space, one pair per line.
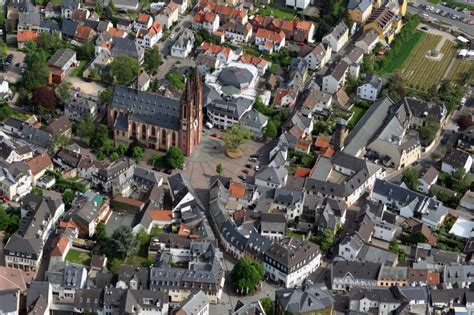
325,240
152,59
246,275
174,157
220,169
45,97
236,136
411,178
124,69
122,242
271,131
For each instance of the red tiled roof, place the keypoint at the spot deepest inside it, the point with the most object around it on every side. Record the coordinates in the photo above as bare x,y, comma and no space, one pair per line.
115,32
161,215
237,190
302,171
270,35
143,18
60,246
39,163
24,36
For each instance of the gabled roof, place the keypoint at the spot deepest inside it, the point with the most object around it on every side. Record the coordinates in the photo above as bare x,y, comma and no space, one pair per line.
40,163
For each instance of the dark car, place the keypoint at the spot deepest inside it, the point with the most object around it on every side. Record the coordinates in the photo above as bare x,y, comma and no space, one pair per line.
248,166
242,177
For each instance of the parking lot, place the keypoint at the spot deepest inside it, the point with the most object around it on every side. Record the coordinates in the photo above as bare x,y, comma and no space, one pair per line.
463,15
13,74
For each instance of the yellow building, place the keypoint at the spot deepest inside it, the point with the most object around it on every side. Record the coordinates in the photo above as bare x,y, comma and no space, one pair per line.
359,11
384,22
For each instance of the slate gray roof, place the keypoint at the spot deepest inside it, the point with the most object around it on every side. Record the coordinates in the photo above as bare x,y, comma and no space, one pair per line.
147,107
68,27
272,175
235,76
194,303
61,57
37,289
307,299
339,30
14,123
368,126
456,158
375,81
254,119
413,293
359,270
422,109
288,197
179,187
29,18
67,276
252,308
9,300
458,274
234,108
126,46
380,295
289,252
362,4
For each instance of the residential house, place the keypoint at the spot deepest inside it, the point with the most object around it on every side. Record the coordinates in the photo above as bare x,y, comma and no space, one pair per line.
384,22
81,15
384,221
382,300
291,260
298,73
39,165
224,54
289,202
10,301
84,34
337,37
360,176
466,140
39,297
115,178
223,114
297,4
87,212
168,15
14,152
142,83
143,22
206,64
273,225
256,122
40,214
456,159
67,279
390,276
196,304
80,105
335,78
359,10
183,45
68,29
68,7
345,275
318,56
367,41
458,276
427,179
249,308
271,177
370,89
127,46
423,277
261,64
60,63
15,179
29,21
236,32
147,38
126,5
269,41
23,37
60,127
307,299
285,98
206,20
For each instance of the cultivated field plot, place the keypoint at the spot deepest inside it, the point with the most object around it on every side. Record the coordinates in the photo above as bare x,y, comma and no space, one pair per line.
421,72
459,66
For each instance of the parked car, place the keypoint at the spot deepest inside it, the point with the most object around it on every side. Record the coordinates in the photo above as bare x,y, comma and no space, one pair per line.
245,171
253,159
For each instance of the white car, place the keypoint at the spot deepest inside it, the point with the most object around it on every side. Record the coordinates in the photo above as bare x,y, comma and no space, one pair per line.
209,125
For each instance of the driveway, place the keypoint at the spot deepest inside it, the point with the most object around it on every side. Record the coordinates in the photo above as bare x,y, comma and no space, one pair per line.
13,74
92,88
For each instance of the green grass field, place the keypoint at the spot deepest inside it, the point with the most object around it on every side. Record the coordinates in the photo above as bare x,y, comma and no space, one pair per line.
397,61
77,72
420,72
358,113
277,13
78,257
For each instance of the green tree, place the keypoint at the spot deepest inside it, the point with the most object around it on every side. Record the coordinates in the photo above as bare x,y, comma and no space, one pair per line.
236,136
121,243
86,51
220,169
68,197
124,69
105,96
100,136
325,240
3,49
8,221
152,59
395,87
36,76
114,156
176,79
246,275
137,153
100,234
417,237
86,129
64,90
174,157
271,131
411,178
57,142
121,149
267,305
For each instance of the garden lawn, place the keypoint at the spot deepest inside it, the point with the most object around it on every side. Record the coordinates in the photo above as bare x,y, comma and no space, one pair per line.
397,61
277,13
459,66
358,113
420,72
296,235
77,72
78,257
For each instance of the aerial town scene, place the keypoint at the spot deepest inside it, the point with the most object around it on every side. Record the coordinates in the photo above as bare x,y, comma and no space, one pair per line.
236,157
